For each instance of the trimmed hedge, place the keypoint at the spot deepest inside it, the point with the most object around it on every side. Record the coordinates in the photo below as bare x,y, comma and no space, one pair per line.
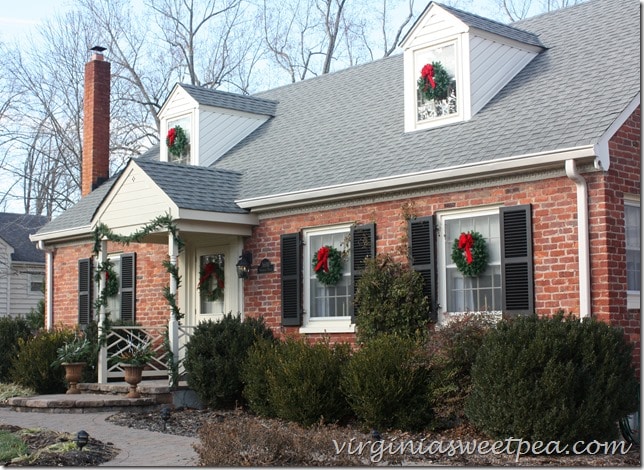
556,379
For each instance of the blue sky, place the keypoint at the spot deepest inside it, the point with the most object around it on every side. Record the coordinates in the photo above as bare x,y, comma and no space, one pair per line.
18,18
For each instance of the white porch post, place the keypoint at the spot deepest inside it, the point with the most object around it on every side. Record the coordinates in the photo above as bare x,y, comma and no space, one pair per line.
173,324
102,352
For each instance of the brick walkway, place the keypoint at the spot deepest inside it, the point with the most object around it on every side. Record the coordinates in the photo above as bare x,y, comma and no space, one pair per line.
137,448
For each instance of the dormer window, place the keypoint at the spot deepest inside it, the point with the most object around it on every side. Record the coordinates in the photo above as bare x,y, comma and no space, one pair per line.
178,140
436,95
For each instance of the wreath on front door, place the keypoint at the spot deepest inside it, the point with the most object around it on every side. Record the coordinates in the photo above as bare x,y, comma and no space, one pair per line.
327,265
211,281
469,253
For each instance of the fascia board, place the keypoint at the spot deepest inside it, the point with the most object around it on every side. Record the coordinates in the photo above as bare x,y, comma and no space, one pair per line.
458,173
601,147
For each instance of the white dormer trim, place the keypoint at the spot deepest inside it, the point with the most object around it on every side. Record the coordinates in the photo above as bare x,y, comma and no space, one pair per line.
485,63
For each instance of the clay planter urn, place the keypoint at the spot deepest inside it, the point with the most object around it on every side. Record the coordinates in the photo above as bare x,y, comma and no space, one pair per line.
133,376
73,375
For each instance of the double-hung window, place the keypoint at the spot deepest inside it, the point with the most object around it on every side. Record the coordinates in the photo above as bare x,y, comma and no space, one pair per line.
504,287
462,294
308,303
327,307
632,222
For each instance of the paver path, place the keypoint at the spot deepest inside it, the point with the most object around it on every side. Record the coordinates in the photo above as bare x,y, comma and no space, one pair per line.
138,448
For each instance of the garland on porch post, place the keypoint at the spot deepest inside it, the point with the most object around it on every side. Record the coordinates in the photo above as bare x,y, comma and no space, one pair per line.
102,232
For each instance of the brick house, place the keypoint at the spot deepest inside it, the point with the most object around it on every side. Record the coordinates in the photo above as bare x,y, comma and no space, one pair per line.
528,134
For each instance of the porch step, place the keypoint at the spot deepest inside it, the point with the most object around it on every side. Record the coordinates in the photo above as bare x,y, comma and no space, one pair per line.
95,398
81,403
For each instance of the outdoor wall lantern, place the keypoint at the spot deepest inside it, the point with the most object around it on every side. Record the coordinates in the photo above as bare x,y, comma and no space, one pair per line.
245,263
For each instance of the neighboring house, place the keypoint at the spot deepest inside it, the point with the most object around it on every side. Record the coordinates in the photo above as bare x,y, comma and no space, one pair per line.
22,264
530,136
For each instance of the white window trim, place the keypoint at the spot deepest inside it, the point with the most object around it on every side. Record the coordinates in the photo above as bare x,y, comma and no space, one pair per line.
30,281
412,73
320,325
633,297
444,316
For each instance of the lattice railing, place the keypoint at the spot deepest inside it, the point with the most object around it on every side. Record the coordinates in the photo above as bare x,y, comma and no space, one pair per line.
185,332
121,338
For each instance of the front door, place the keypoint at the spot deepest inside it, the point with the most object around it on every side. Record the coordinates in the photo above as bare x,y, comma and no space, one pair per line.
214,298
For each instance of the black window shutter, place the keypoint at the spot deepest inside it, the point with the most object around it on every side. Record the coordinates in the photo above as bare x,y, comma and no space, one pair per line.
422,249
291,269
363,246
516,260
128,287
84,291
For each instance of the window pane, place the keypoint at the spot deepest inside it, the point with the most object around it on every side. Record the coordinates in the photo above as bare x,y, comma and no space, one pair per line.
474,294
633,234
329,301
114,303
212,306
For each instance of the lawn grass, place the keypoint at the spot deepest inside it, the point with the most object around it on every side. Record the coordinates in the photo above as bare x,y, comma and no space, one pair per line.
11,446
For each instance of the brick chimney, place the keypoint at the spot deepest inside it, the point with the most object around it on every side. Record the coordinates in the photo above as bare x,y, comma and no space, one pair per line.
96,128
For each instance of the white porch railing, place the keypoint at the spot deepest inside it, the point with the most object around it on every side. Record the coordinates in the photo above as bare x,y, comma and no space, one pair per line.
120,338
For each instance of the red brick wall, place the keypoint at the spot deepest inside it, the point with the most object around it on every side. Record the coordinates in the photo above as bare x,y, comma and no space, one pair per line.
151,277
608,245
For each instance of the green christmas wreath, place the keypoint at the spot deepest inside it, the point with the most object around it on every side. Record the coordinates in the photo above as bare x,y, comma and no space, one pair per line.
111,279
211,281
327,264
469,253
434,81
177,141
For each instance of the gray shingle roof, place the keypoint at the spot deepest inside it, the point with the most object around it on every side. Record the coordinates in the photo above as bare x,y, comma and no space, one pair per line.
198,188
495,27
15,230
222,99
348,126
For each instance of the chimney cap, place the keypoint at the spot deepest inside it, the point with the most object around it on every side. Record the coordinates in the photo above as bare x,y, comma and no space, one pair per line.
98,49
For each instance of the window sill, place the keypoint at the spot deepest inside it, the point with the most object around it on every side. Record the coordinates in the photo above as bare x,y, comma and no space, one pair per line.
335,325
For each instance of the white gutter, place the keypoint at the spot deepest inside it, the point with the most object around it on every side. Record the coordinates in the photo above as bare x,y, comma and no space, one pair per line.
583,246
49,285
498,167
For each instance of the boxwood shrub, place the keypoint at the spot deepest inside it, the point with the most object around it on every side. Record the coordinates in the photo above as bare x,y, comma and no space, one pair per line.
214,356
32,366
558,379
387,384
11,330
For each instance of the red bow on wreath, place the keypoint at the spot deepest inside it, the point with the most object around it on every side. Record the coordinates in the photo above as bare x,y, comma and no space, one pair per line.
323,259
465,242
172,134
428,74
209,270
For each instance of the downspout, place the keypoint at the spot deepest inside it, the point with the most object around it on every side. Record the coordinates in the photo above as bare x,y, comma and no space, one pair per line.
583,245
49,285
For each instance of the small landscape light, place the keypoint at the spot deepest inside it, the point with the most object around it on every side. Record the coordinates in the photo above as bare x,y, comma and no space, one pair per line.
82,438
165,415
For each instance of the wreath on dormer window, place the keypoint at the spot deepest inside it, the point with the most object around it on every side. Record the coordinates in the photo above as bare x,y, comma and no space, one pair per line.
177,141
434,81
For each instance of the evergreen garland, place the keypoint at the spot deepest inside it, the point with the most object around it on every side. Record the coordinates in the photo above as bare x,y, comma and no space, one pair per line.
327,264
478,252
434,81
